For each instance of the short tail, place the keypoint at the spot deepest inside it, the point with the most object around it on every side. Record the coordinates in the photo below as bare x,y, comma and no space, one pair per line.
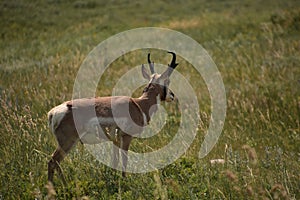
50,116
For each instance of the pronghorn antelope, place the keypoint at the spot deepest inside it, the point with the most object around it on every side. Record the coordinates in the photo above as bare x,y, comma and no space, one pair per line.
115,118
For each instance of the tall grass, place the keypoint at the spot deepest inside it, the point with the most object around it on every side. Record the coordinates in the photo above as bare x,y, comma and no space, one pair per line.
256,48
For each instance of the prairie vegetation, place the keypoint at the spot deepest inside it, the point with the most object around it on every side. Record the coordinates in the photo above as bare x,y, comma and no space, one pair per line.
256,46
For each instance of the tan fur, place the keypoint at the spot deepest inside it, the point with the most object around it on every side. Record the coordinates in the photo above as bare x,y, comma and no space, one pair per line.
117,119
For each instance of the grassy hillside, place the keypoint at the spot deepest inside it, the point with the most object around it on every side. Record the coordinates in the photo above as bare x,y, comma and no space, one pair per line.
256,46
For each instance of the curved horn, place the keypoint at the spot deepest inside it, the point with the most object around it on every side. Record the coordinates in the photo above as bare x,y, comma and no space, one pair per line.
173,63
151,64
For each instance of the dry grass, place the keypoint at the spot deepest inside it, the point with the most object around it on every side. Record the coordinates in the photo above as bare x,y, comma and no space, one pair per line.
256,46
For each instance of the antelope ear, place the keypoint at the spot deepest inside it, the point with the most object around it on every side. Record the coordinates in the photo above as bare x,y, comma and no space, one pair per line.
145,74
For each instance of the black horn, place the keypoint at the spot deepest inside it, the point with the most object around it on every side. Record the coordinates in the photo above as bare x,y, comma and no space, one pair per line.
173,63
151,64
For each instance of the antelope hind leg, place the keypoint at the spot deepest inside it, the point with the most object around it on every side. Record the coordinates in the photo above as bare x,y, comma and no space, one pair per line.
53,164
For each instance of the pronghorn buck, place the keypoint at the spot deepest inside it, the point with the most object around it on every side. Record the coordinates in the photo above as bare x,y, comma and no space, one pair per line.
116,118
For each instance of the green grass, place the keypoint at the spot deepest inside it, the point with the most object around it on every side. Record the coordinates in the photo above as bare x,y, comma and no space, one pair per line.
256,46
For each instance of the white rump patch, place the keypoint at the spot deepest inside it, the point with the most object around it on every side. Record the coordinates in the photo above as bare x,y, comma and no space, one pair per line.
55,115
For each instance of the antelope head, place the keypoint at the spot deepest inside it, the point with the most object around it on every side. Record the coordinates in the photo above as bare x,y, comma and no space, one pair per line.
159,83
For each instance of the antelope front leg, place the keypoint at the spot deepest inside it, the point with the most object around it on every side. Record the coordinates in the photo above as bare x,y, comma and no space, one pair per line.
125,142
113,136
116,151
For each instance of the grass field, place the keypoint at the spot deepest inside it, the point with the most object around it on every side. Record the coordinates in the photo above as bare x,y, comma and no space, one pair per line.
256,46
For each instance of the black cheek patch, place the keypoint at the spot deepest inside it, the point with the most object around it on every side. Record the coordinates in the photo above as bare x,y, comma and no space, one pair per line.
164,93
